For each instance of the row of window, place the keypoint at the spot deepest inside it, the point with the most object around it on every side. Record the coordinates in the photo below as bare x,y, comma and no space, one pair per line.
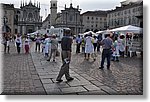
94,22
95,26
123,21
95,30
128,11
95,18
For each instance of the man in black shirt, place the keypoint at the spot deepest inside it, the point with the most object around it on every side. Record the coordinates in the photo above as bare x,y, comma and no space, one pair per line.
66,43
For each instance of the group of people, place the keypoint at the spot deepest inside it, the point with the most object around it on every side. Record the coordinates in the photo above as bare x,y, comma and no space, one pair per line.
89,45
48,44
113,47
17,41
50,47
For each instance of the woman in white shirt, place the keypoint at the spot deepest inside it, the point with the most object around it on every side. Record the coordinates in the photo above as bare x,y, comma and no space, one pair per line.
89,48
18,43
27,45
46,45
95,42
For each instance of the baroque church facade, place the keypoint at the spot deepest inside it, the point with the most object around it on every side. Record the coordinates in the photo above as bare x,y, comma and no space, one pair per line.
27,18
68,18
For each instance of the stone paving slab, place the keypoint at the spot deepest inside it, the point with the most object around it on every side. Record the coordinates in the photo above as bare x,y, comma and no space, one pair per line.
91,87
54,92
79,83
73,90
97,83
46,81
48,72
32,74
99,92
20,75
109,90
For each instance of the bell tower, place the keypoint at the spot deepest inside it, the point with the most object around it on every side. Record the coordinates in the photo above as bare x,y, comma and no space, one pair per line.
53,10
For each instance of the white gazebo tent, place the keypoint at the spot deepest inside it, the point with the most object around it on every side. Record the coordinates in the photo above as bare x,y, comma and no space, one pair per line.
128,28
99,32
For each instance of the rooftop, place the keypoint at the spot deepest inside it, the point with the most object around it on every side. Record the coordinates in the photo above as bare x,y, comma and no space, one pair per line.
127,6
95,13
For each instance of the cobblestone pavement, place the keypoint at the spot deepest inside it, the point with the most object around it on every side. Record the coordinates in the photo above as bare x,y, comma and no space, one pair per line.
48,72
33,74
125,77
20,75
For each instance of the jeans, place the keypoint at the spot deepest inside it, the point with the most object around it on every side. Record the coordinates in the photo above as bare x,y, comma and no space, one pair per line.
37,47
106,53
18,47
6,47
78,48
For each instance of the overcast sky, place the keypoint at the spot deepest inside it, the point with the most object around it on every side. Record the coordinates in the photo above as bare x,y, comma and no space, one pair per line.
85,5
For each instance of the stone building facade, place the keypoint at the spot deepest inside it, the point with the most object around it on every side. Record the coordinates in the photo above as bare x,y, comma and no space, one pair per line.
28,18
68,18
8,18
130,13
127,14
46,23
94,21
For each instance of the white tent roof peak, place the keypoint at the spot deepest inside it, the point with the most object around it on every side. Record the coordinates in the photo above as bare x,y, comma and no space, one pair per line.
128,28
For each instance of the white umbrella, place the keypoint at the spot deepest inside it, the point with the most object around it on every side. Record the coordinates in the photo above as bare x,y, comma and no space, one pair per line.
128,28
93,34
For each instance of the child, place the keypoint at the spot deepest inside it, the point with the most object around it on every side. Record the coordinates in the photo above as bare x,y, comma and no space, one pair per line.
116,50
26,45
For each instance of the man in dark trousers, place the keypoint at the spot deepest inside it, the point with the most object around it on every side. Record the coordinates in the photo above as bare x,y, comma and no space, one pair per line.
107,44
78,41
99,41
66,44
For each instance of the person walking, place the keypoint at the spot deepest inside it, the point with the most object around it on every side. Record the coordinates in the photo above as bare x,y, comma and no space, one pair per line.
38,43
78,42
54,48
46,46
95,40
27,45
106,53
6,41
66,44
115,55
83,45
99,41
89,48
121,42
18,43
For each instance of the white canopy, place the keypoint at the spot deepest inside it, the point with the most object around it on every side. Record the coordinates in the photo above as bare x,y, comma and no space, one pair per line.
128,28
99,32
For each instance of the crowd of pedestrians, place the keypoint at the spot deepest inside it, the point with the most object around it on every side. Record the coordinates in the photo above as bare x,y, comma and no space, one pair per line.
111,48
111,45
